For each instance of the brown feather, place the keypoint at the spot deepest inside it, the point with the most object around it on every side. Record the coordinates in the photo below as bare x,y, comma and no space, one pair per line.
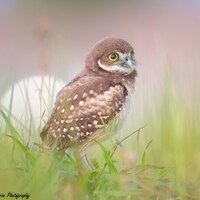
90,102
82,108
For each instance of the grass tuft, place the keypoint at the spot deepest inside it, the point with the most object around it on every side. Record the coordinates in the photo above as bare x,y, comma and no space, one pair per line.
167,164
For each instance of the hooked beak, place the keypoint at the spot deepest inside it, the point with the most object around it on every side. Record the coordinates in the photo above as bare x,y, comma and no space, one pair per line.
129,64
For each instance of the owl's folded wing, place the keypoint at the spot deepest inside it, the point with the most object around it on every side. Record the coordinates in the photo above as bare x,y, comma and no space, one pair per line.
82,107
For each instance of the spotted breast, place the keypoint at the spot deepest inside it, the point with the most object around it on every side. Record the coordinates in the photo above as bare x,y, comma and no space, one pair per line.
81,110
89,107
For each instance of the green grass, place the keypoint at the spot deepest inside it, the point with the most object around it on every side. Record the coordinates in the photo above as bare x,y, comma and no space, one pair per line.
167,164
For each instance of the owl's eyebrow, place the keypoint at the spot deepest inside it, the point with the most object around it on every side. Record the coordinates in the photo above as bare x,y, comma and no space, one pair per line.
122,55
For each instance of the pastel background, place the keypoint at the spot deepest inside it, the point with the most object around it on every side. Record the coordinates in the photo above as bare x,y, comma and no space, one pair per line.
52,38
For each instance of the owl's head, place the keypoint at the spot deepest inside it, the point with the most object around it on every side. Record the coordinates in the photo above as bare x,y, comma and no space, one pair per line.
112,55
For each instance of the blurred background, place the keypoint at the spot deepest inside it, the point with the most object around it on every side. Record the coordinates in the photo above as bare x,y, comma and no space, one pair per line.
54,37
51,38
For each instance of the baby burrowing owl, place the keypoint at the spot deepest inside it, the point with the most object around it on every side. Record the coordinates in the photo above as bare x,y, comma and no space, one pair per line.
94,99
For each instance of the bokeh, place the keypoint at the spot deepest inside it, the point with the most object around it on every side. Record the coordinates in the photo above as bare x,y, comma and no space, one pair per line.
52,38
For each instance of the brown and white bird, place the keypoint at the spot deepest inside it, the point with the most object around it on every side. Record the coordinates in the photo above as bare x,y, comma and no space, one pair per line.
94,100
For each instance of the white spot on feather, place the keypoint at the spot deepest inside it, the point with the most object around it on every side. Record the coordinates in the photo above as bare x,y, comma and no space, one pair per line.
64,130
77,128
87,133
72,128
69,136
91,92
95,122
81,103
71,107
58,108
75,96
84,94
68,121
63,110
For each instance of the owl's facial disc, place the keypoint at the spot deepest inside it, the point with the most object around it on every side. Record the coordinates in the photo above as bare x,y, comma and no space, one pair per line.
118,62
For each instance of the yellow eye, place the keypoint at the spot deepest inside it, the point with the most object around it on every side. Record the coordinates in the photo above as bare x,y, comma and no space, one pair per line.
113,57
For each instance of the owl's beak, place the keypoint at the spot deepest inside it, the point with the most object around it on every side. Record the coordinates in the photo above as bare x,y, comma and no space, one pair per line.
129,64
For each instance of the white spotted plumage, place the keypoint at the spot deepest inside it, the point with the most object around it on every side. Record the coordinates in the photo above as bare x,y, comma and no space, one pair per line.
92,101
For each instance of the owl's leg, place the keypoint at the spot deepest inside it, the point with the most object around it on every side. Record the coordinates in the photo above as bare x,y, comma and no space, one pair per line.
78,161
83,161
88,162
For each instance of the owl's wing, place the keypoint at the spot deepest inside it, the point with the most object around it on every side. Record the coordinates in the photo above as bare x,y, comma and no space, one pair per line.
82,108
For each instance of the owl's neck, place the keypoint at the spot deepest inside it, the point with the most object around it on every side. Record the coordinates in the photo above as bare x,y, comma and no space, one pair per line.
128,81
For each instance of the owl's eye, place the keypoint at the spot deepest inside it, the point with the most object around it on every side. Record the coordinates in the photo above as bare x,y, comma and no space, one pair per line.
113,57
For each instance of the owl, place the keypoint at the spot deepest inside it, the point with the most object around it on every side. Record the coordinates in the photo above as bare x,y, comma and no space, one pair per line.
90,107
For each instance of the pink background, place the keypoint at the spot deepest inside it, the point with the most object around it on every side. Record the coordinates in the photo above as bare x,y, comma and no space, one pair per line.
54,38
